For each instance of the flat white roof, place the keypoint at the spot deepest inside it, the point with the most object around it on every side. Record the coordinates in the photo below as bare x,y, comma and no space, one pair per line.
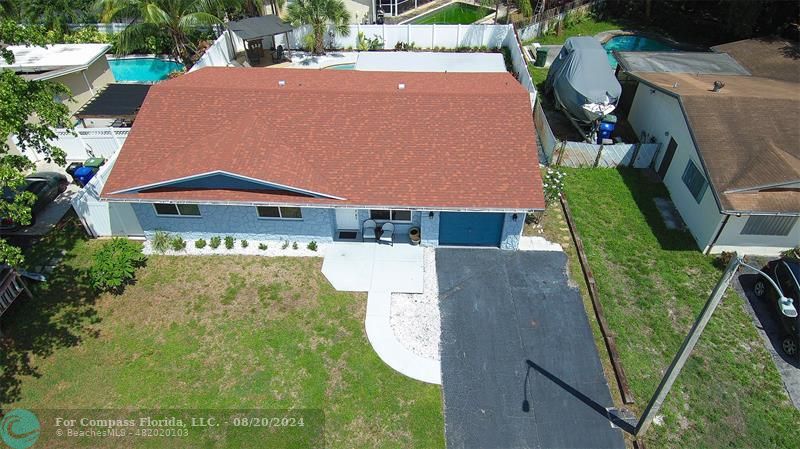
33,58
426,61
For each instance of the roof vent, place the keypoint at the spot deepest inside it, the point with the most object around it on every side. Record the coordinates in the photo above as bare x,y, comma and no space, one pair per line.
401,86
281,83
718,85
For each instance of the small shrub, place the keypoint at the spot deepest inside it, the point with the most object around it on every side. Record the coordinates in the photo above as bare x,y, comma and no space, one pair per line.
262,246
229,242
215,241
312,245
244,243
723,259
294,245
285,244
199,243
161,241
177,243
115,265
793,253
553,184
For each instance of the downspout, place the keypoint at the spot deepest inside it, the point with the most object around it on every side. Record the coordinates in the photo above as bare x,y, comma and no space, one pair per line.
719,232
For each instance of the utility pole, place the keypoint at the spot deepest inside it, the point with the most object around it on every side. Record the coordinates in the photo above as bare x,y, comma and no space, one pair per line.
686,350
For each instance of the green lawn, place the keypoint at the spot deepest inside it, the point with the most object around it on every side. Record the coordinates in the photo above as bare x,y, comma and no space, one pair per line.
588,26
653,282
219,332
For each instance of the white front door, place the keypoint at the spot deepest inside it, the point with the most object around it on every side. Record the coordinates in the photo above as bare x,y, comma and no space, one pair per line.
347,219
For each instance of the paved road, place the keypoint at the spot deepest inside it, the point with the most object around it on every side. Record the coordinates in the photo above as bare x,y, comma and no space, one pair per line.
500,309
768,328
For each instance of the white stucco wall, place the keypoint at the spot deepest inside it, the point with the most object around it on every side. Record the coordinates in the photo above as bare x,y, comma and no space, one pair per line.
732,239
98,74
659,115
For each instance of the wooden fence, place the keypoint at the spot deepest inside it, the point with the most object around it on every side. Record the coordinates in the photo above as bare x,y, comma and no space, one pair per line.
541,23
581,154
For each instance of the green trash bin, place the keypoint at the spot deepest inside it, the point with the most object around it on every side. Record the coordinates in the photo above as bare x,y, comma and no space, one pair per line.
94,162
541,57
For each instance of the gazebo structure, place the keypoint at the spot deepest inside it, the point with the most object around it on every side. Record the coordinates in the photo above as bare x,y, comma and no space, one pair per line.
256,31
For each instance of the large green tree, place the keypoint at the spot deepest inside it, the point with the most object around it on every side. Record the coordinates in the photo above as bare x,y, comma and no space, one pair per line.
153,18
28,110
56,15
319,14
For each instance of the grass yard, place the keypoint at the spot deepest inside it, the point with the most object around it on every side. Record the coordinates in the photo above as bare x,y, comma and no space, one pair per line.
588,25
217,332
653,282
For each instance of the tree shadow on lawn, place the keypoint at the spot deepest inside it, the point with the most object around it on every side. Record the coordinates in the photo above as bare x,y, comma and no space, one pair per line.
645,187
61,313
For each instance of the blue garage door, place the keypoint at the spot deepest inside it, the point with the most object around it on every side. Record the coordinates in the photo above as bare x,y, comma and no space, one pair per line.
470,229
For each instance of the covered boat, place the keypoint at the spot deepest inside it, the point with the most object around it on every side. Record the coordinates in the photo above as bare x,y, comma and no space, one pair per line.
582,81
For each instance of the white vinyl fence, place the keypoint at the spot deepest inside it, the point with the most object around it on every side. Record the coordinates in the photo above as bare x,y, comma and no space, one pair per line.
83,143
546,137
222,52
108,28
104,218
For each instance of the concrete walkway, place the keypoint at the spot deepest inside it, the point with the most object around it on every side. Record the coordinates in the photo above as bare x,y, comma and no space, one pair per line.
382,270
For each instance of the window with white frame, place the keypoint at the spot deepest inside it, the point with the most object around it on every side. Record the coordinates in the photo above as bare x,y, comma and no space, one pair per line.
695,181
177,210
769,225
280,213
390,215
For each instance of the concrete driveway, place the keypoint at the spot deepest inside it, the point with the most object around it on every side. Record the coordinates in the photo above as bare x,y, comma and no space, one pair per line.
501,309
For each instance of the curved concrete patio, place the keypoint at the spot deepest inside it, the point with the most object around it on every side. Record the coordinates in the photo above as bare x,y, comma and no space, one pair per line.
389,349
382,270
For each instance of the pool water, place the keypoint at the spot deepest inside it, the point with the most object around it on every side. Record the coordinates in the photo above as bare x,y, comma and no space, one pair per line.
633,43
453,14
143,70
351,66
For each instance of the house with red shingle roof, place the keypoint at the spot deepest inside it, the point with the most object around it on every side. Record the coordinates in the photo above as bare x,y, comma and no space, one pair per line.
305,155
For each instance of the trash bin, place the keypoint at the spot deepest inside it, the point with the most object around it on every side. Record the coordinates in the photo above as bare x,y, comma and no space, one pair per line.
84,174
541,57
95,162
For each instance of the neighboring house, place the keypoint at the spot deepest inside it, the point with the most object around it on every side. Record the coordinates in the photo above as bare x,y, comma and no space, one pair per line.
730,157
311,154
83,68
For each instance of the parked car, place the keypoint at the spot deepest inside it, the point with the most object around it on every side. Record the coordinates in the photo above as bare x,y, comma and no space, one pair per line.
786,273
45,185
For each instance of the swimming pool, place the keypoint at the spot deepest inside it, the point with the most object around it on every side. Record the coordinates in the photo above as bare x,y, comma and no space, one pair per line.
142,70
634,43
454,14
351,66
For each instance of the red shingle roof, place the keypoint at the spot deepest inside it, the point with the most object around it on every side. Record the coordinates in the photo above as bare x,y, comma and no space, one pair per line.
446,140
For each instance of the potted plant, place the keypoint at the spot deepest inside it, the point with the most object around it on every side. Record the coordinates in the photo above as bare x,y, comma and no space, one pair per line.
414,236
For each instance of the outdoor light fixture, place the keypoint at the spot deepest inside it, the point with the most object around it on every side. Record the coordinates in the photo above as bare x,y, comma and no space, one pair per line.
430,215
514,217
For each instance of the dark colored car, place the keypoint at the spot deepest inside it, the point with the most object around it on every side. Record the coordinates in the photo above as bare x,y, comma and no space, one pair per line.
45,185
786,273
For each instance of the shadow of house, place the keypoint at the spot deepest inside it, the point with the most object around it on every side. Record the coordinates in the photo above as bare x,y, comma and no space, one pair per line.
644,188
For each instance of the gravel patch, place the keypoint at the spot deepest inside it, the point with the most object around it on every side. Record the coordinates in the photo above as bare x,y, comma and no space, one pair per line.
274,249
415,317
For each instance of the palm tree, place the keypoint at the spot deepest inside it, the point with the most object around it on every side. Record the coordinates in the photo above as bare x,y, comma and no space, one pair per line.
319,14
176,18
